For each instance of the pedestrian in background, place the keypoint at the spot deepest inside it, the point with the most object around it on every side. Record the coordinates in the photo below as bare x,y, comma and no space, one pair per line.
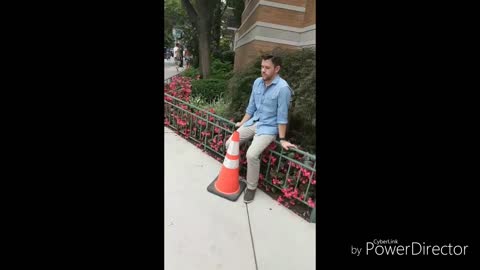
176,53
180,54
188,58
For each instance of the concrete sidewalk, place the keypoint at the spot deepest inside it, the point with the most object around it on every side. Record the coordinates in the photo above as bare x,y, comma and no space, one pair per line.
170,68
206,232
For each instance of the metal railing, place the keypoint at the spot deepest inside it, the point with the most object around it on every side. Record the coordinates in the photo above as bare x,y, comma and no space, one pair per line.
291,173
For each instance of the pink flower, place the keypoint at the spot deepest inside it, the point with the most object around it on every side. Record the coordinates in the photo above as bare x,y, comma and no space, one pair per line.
305,172
273,159
276,181
293,164
295,193
311,203
287,193
181,123
272,146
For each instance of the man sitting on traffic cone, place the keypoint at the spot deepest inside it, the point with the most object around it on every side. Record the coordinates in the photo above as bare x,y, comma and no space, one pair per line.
266,116
227,184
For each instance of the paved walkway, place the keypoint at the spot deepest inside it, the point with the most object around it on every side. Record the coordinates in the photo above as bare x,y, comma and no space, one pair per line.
170,69
206,232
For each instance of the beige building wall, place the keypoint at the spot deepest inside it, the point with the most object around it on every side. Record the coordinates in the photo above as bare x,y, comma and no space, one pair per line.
266,25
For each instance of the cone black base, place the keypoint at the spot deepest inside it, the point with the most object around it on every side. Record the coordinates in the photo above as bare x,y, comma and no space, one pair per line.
232,197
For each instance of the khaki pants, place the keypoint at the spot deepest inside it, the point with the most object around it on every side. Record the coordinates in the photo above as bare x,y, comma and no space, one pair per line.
259,143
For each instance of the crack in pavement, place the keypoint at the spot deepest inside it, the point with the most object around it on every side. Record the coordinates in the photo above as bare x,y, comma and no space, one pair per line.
251,237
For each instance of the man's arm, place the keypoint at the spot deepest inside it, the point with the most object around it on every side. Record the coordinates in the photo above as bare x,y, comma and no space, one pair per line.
282,110
282,129
282,117
251,108
245,119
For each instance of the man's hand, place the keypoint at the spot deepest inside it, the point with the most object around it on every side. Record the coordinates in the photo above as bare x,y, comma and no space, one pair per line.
286,145
238,124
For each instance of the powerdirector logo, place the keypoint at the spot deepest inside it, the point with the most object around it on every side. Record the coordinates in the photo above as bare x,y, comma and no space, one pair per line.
392,247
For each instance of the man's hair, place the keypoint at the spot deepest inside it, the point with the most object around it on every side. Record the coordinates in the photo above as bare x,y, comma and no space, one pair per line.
178,45
276,60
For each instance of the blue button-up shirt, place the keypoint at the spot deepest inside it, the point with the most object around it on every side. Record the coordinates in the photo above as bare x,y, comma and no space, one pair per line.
268,106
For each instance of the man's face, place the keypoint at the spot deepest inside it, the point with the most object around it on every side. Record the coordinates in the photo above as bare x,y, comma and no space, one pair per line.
268,70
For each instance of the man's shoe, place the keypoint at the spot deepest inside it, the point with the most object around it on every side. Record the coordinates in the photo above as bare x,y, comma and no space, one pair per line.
249,195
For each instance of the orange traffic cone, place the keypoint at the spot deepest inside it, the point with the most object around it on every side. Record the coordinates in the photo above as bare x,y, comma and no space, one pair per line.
227,184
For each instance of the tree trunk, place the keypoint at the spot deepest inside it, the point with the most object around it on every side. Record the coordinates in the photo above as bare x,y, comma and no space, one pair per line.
204,48
201,16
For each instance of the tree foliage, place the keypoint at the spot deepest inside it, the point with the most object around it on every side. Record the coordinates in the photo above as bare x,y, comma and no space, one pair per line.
174,16
202,23
238,7
217,25
201,15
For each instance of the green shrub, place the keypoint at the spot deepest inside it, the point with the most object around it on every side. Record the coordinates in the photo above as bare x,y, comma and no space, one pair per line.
228,56
191,72
220,105
298,69
208,89
199,102
239,89
216,54
221,70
